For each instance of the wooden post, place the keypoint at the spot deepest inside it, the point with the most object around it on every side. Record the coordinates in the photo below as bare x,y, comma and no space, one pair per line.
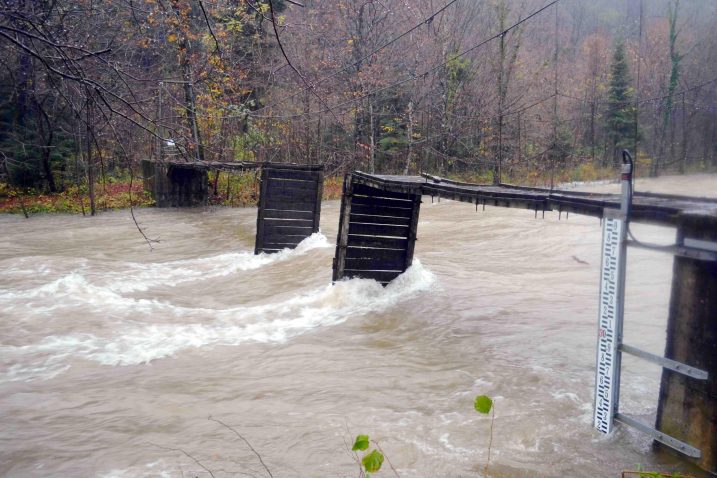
687,408
260,213
343,235
319,196
413,231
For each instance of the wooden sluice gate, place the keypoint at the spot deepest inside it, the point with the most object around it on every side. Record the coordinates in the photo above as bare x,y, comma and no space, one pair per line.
377,233
289,206
289,201
175,184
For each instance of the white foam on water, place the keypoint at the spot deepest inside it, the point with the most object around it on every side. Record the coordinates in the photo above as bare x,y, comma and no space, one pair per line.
136,343
142,277
463,452
74,290
135,277
155,469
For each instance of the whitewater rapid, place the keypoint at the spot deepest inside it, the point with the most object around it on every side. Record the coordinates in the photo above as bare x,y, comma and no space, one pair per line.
134,332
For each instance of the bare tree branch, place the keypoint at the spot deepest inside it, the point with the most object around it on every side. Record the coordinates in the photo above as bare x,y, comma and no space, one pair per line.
245,441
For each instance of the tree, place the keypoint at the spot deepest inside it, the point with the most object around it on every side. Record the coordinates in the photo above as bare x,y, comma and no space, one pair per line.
620,114
673,82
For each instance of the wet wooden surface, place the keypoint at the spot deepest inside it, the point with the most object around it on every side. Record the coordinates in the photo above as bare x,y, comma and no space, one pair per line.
647,207
379,215
289,206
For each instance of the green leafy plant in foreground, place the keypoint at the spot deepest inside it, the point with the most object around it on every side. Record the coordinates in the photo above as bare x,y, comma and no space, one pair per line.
484,405
371,461
640,473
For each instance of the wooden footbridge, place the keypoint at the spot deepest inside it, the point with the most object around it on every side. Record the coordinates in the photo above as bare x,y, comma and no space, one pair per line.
378,226
379,215
378,229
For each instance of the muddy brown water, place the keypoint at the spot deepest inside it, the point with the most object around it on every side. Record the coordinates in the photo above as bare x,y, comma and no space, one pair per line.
113,357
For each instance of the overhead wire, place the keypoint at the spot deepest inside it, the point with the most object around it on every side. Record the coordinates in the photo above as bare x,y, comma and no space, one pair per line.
412,77
346,67
645,100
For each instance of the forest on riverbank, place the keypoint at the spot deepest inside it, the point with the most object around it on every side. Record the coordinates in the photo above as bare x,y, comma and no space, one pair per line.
534,92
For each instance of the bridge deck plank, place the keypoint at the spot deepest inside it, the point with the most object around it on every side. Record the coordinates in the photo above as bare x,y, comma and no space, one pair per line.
647,207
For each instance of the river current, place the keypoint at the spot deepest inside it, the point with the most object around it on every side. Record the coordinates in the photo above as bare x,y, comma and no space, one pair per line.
121,361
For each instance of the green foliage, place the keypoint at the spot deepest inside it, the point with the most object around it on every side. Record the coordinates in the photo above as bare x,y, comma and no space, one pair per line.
371,461
361,443
561,147
675,58
620,115
392,135
25,138
640,473
234,189
73,200
483,404
457,69
247,143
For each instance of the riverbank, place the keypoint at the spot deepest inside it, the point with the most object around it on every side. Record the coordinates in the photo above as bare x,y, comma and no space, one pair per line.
73,200
231,191
242,190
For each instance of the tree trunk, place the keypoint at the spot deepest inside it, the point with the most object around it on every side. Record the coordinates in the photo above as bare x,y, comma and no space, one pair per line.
371,160
683,164
307,130
46,133
409,138
319,141
190,99
215,185
501,96
90,166
592,131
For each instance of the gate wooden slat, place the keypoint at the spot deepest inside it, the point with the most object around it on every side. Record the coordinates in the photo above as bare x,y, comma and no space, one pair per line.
360,189
377,231
391,264
374,253
379,201
293,174
289,206
399,212
288,214
377,241
369,218
271,221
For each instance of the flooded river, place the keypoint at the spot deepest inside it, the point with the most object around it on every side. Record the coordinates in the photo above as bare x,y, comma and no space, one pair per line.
121,361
